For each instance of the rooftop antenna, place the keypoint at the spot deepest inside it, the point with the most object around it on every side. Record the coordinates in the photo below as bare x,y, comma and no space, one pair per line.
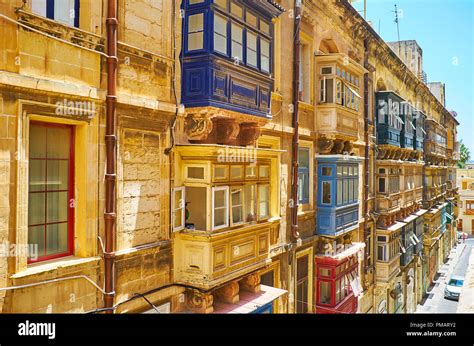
398,28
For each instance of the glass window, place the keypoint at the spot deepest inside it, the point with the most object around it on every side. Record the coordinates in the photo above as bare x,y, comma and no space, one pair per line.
220,216
326,192
265,55
237,172
63,11
39,7
195,2
263,201
178,208
326,70
250,172
345,194
237,42
220,34
250,203
351,190
237,206
382,185
303,175
221,172
251,49
50,190
264,171
302,286
327,171
196,31
324,292
194,172
339,192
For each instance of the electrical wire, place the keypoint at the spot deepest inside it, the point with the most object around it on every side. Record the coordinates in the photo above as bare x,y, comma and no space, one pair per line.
51,36
52,281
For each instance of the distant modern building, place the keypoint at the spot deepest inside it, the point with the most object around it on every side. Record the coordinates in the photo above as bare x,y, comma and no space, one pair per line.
412,55
438,89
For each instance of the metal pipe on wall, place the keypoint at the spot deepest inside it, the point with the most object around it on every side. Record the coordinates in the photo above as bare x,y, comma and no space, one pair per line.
366,153
110,215
295,144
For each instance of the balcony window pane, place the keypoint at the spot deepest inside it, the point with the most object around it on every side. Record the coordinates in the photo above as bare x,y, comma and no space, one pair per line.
263,201
237,206
195,31
339,192
326,192
264,171
220,207
346,191
382,185
251,49
327,171
265,55
324,292
250,202
220,34
351,190
237,45
64,11
39,7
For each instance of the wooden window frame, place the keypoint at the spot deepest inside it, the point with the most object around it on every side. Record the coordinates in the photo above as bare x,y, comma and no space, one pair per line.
71,196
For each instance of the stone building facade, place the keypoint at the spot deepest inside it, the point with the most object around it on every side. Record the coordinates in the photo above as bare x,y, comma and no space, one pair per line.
206,100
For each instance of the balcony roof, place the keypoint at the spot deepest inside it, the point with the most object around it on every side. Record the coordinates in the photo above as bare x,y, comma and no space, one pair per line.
249,302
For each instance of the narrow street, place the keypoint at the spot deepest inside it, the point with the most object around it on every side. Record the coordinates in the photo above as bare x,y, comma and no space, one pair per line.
457,264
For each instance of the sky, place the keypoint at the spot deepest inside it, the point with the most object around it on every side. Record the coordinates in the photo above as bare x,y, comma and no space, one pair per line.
445,32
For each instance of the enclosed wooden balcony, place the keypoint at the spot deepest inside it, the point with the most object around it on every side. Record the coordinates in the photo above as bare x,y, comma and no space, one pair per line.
386,271
206,259
335,120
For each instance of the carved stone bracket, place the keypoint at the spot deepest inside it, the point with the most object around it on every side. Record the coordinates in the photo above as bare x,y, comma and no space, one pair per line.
338,147
228,293
212,125
199,302
198,129
250,283
325,145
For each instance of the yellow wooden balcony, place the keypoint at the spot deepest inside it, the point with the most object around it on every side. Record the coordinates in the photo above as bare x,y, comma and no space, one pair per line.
334,119
206,259
386,271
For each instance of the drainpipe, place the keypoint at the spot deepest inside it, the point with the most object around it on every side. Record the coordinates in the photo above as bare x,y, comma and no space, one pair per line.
110,215
296,87
366,154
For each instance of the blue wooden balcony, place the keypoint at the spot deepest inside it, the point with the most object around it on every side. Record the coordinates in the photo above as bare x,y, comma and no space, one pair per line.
419,123
227,55
407,134
389,122
338,194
